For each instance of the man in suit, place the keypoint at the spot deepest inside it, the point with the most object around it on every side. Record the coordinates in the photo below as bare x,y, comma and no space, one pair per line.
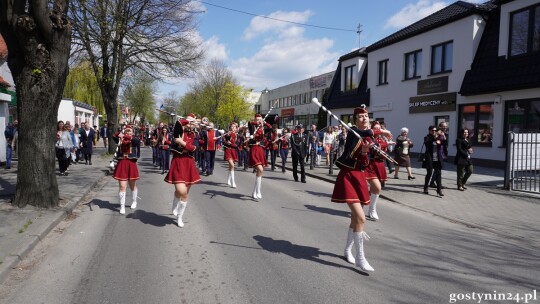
299,147
87,143
103,133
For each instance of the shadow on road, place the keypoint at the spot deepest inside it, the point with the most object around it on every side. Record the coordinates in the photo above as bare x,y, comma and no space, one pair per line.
152,218
300,252
330,211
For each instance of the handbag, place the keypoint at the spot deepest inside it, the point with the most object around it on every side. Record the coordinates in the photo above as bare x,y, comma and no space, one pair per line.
422,156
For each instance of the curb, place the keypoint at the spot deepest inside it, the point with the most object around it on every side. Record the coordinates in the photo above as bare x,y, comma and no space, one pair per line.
13,260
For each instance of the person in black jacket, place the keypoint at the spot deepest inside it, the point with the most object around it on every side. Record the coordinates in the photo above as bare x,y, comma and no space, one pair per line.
299,141
463,159
433,158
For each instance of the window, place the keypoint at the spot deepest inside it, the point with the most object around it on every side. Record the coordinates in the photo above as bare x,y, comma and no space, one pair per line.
350,78
413,64
441,58
383,72
525,31
478,118
522,116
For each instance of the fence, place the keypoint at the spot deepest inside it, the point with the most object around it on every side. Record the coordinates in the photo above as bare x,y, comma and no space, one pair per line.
523,162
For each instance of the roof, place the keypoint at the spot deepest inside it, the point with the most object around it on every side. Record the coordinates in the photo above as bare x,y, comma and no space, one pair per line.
356,53
449,14
490,73
339,100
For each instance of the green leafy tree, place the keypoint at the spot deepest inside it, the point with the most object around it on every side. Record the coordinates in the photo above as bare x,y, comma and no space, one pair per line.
139,97
119,36
81,85
38,38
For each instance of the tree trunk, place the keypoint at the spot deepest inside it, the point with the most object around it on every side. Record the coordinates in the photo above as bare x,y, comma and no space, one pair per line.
38,45
111,108
37,111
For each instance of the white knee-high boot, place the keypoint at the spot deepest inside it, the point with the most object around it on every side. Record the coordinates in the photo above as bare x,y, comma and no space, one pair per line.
175,206
181,209
122,196
372,213
229,179
134,196
233,183
255,195
258,183
360,259
348,246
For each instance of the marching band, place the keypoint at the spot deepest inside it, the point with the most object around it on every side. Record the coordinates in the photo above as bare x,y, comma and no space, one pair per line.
194,142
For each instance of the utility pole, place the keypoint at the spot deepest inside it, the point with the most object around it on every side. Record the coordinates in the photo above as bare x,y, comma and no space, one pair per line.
358,32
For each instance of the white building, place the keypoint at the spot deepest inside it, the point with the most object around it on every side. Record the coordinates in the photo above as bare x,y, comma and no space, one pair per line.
292,102
467,64
77,112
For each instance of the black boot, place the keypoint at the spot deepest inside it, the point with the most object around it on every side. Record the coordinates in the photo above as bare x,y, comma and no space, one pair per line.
426,190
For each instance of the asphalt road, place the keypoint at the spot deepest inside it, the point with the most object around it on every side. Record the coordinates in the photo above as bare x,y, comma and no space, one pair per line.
285,248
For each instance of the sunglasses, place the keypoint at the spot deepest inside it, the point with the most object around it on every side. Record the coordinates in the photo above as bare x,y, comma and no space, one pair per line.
434,130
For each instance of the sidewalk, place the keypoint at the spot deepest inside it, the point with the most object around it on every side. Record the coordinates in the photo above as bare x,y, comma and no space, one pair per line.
22,229
484,205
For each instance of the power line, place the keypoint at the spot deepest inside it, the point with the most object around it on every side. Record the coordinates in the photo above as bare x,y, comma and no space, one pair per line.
275,19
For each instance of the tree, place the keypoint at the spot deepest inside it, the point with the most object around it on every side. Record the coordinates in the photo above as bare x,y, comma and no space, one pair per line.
81,85
216,95
139,96
118,36
38,38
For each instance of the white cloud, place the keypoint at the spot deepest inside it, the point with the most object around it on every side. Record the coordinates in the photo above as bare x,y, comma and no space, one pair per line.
287,59
414,12
260,25
214,50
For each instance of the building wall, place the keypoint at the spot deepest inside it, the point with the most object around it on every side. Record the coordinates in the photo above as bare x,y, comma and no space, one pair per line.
4,113
390,102
296,98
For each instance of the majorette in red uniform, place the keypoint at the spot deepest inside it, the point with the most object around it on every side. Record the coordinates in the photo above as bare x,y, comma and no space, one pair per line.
231,154
183,172
257,158
351,186
376,170
126,171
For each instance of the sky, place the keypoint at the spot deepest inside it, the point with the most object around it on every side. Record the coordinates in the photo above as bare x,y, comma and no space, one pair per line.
265,53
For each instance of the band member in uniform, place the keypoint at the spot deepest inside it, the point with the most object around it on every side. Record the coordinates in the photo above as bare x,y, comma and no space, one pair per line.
284,148
243,156
126,171
156,157
164,142
376,170
299,141
209,140
183,172
257,160
273,146
230,145
351,186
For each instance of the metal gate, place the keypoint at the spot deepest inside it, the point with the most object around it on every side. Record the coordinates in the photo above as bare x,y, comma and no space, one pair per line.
523,162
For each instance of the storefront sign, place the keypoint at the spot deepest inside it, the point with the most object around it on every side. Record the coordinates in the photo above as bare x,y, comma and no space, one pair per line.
287,112
433,85
320,81
433,103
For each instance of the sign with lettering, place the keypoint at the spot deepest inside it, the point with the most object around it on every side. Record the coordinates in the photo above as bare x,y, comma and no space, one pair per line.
432,85
287,112
433,103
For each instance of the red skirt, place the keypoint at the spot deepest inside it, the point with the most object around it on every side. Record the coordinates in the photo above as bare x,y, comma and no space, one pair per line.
126,169
256,156
376,170
351,187
231,154
182,170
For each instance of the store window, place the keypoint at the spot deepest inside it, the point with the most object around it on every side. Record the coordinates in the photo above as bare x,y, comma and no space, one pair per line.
413,64
478,118
383,72
525,31
441,58
522,116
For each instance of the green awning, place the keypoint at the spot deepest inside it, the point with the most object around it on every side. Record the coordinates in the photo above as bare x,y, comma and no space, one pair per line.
13,102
